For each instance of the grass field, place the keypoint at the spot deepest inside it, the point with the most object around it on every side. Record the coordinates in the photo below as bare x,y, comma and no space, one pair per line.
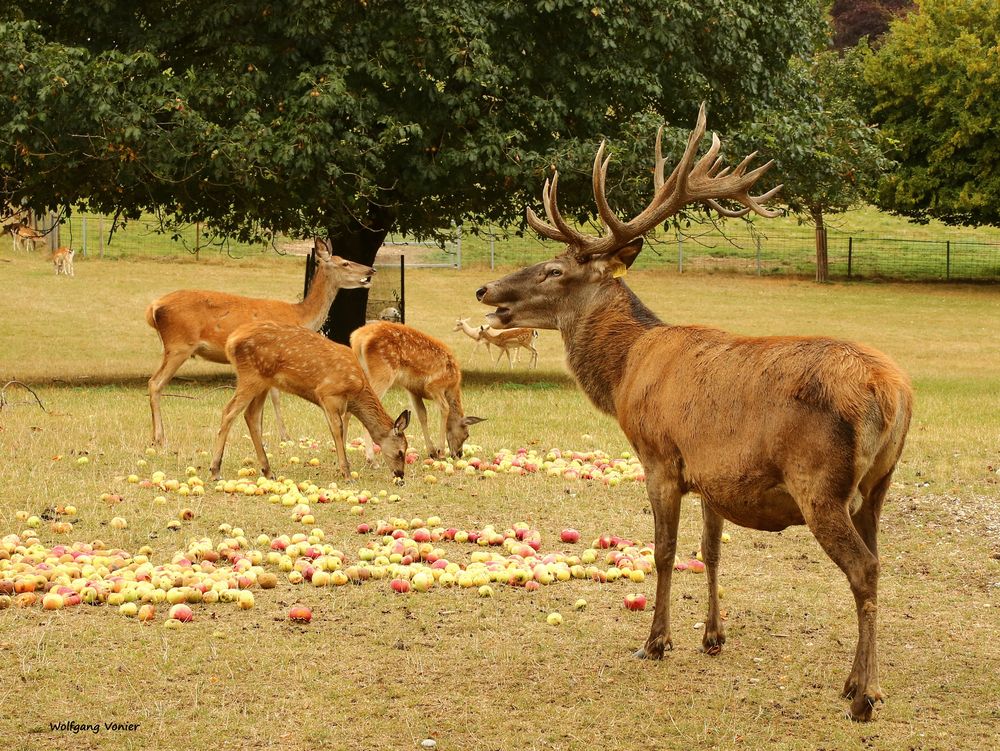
376,669
882,247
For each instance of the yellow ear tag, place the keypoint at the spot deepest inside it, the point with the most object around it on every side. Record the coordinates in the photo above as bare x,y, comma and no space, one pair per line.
618,269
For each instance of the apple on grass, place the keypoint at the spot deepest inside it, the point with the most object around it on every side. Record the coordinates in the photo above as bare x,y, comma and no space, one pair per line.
569,535
181,612
635,602
300,614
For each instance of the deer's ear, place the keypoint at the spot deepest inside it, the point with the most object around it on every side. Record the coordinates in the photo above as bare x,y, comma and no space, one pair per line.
619,261
402,422
470,420
323,247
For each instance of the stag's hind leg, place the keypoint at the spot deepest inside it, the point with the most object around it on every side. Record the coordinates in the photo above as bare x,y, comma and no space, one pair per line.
711,551
665,497
830,522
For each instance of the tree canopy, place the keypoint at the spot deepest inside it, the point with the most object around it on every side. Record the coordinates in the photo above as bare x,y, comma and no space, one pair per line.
935,79
355,117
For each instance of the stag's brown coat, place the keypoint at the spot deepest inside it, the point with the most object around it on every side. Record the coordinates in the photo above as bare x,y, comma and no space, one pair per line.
770,431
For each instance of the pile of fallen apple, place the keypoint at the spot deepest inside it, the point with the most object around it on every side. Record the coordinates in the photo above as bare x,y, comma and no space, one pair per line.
407,554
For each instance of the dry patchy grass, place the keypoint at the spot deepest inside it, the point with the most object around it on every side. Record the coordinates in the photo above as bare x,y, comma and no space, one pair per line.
385,671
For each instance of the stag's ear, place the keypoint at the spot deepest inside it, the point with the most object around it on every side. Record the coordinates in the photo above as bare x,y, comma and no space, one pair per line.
467,421
619,261
402,422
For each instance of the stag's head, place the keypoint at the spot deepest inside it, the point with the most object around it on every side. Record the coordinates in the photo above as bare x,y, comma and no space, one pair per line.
545,295
338,272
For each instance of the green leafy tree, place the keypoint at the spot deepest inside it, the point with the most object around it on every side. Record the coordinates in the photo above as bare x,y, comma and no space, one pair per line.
828,157
935,79
354,118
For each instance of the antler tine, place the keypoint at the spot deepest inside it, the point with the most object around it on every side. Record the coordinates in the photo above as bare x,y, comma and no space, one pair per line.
615,226
659,162
545,230
731,213
552,211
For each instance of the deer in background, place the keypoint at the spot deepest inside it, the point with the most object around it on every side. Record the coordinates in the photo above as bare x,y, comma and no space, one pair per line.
196,323
475,333
24,237
268,355
770,431
511,339
62,260
395,354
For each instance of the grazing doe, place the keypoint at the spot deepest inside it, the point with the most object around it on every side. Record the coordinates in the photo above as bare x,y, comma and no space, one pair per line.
511,339
770,431
269,355
196,323
396,354
62,260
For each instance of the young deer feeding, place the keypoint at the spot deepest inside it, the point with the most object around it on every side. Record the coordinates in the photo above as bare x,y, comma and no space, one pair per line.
269,355
62,260
511,339
196,323
770,431
395,354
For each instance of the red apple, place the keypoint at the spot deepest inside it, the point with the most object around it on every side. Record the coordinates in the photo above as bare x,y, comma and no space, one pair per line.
400,585
635,602
569,535
300,614
181,612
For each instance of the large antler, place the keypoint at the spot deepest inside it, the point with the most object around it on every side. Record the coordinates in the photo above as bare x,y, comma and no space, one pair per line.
690,181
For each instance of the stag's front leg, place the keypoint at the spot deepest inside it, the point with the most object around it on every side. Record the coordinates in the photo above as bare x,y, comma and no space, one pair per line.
665,498
711,550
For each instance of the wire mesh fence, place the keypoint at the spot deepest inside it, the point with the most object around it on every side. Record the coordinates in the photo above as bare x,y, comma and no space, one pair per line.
737,248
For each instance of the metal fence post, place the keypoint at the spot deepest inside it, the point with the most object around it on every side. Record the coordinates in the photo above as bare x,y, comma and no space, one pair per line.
402,288
680,253
757,242
458,243
492,243
947,259
100,236
83,231
850,254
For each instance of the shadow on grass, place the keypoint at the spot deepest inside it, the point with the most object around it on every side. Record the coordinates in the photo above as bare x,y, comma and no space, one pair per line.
512,379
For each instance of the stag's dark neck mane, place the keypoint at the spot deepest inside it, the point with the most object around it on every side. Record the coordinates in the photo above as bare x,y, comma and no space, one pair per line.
599,339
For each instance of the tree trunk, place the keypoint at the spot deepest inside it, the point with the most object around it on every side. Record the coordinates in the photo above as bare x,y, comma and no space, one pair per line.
361,243
822,259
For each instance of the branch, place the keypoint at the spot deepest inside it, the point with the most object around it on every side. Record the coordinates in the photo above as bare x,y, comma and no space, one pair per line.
3,395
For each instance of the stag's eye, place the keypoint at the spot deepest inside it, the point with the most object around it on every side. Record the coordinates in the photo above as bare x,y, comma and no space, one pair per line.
553,272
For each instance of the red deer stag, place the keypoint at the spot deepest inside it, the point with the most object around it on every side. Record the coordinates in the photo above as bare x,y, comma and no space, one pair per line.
269,355
395,354
770,431
196,323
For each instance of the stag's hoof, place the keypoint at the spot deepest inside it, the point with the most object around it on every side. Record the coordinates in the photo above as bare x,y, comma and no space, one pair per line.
712,645
653,649
863,706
